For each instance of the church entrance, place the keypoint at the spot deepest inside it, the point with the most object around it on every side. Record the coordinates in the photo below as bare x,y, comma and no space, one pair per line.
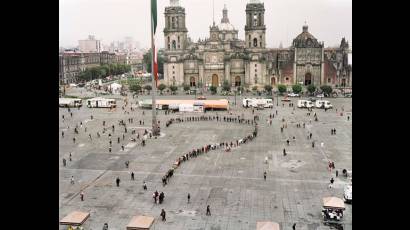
192,82
273,81
215,81
308,79
237,81
344,82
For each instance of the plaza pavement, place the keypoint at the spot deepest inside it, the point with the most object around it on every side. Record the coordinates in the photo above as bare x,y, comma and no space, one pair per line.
230,182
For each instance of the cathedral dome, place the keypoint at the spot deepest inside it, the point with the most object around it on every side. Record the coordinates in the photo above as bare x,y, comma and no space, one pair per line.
305,39
225,25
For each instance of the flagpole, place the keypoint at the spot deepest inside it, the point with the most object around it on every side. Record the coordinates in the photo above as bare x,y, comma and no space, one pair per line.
155,130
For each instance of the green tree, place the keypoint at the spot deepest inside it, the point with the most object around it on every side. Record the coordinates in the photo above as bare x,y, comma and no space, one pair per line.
226,86
186,87
136,88
161,87
281,89
173,88
213,89
255,88
327,89
268,89
297,88
148,88
311,88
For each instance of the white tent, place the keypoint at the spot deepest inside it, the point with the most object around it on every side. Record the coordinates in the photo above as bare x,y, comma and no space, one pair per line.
333,202
115,88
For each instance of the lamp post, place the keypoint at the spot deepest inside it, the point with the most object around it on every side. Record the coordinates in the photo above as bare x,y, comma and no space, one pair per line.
235,97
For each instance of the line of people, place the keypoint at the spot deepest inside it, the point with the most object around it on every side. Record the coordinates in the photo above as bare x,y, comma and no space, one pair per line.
205,149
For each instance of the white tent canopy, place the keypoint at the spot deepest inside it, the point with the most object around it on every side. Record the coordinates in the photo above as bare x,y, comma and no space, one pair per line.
333,202
267,225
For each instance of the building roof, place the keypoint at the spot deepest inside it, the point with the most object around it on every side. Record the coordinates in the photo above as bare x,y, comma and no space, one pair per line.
225,25
306,39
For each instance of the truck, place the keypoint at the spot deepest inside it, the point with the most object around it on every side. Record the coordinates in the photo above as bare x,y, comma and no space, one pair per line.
99,102
323,104
70,102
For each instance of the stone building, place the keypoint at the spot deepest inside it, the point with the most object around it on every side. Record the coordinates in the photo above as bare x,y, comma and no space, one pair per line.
247,63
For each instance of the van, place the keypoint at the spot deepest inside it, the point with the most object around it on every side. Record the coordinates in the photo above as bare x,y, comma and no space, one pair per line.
305,104
323,104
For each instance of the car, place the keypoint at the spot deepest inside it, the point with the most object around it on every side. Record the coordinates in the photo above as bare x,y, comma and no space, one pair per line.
320,95
201,98
348,95
293,95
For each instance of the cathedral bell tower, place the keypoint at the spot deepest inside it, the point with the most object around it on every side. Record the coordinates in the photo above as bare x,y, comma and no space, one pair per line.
175,31
255,25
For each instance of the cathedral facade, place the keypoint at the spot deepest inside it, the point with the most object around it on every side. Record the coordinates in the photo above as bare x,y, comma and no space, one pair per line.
248,63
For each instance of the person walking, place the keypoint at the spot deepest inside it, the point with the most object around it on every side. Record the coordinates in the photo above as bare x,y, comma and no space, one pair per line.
62,134
189,197
122,147
132,175
208,210
163,214
294,226
264,175
118,140
64,162
82,196
284,152
109,149
117,181
287,141
144,186
74,140
70,157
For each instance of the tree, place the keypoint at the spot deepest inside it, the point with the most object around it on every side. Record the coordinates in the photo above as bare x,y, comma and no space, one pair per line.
297,88
213,89
281,89
186,87
311,88
327,89
226,86
136,88
148,88
161,87
254,88
268,89
173,88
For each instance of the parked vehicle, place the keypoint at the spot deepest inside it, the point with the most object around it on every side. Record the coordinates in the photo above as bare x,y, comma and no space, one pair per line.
347,197
320,95
100,102
304,104
257,102
70,102
293,95
323,104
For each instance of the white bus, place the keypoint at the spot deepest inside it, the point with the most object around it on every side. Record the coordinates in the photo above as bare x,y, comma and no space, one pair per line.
70,102
99,102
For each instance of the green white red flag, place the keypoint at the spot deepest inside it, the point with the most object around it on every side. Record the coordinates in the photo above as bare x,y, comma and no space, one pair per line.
154,28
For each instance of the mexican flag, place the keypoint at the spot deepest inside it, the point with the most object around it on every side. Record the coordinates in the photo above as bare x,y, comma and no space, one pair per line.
154,28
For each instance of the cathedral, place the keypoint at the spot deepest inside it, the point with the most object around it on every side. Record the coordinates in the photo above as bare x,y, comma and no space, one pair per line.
248,63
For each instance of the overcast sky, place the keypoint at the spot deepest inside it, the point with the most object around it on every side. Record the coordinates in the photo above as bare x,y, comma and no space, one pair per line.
112,20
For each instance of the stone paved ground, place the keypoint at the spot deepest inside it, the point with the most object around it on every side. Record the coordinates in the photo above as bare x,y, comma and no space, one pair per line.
230,182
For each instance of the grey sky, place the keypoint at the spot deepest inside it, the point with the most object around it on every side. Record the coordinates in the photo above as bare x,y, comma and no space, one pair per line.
109,20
